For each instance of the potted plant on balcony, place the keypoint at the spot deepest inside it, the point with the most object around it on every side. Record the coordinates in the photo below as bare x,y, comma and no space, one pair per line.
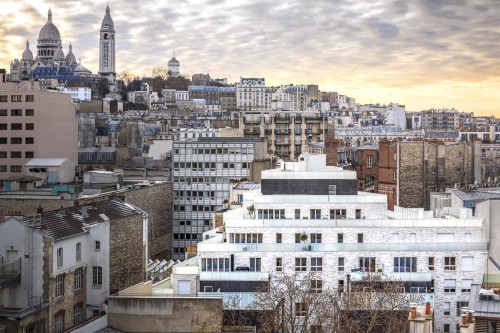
251,211
303,237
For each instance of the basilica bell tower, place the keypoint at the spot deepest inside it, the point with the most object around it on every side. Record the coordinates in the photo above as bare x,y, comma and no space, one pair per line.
107,47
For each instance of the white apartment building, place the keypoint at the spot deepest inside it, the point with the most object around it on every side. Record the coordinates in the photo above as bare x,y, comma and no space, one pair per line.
78,93
350,236
251,94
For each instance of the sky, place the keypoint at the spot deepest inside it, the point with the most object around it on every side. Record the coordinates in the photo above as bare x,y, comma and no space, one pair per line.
420,53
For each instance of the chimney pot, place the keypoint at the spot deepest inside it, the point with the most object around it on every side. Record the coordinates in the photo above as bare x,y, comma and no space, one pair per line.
428,308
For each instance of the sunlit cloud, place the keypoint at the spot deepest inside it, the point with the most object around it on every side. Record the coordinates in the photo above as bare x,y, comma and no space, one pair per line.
424,54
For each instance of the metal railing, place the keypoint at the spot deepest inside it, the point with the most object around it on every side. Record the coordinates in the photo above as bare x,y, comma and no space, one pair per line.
10,274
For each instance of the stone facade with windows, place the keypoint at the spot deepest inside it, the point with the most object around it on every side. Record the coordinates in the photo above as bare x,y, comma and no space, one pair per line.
438,258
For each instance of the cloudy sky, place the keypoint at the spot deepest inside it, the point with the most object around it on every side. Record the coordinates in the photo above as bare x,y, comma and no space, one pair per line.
421,53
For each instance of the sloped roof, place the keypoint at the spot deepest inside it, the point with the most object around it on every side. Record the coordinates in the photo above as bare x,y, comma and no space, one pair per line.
46,162
70,221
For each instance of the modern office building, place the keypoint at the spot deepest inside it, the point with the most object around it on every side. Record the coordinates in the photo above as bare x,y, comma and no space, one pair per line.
202,173
310,218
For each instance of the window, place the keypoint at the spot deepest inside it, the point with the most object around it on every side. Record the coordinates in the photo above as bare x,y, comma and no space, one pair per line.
3,168
255,264
3,140
338,213
16,98
358,214
300,264
279,238
29,141
449,263
460,305
300,309
97,276
446,328
97,246
3,99
466,285
16,168
369,161
59,286
340,238
16,141
413,238
449,285
446,308
29,154
315,238
405,264
297,214
3,154
59,322
279,264
316,264
16,112
430,263
341,264
214,264
467,263
16,154
297,238
360,238
3,113
59,257
77,314
315,214
3,127
16,126
394,175
30,98
30,112
30,126
367,264
332,189
316,286
77,279
78,250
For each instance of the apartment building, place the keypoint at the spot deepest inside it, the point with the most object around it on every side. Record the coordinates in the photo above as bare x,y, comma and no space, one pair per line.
287,132
408,171
202,172
311,218
251,94
34,123
446,119
59,267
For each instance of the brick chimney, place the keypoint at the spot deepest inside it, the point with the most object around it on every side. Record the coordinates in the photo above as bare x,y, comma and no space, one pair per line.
420,318
467,321
331,151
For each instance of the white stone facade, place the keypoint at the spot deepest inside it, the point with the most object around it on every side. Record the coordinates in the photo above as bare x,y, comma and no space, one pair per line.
449,254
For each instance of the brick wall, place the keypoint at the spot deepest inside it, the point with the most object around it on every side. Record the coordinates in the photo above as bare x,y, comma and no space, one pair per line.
126,252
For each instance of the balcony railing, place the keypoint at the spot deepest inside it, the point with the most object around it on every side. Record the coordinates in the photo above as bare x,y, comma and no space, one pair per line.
282,131
298,119
391,276
281,143
234,276
251,132
313,119
252,120
10,274
282,120
344,247
268,131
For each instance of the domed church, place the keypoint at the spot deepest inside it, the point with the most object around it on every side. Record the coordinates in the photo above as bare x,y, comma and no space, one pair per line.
50,61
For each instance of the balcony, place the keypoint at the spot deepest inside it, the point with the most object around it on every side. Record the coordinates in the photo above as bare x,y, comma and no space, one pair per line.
391,276
251,132
252,120
282,120
297,131
268,131
279,131
234,276
282,153
313,119
281,143
10,274
298,119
